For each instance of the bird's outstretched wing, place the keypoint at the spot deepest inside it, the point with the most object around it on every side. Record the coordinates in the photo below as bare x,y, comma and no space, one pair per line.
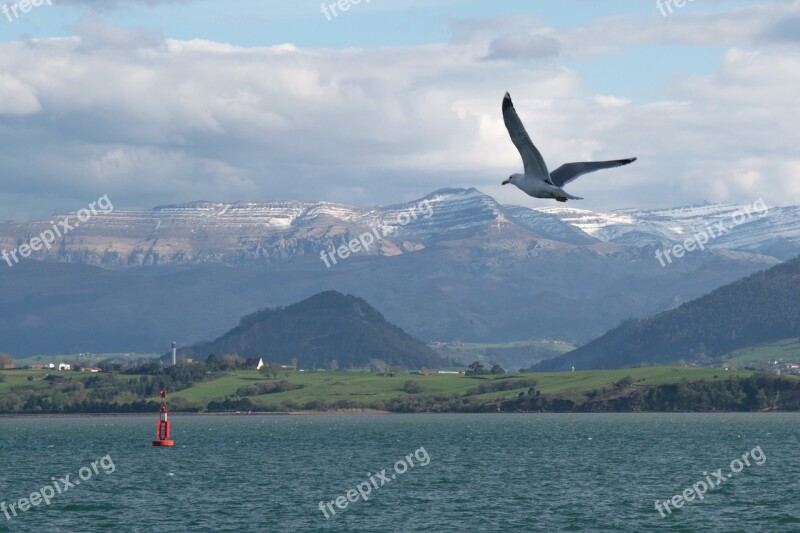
531,158
566,173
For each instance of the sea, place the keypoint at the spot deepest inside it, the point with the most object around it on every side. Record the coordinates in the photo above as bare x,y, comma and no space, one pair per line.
405,473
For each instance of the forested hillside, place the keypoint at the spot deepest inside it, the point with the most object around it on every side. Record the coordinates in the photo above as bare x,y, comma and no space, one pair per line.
760,308
329,330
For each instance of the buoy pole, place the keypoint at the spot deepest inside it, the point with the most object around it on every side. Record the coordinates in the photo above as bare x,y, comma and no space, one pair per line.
162,426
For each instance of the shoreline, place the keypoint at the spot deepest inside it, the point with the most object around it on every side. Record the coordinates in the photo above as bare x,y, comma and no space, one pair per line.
354,412
179,414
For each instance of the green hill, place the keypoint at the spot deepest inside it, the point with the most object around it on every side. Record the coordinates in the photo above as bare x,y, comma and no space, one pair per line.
758,309
324,328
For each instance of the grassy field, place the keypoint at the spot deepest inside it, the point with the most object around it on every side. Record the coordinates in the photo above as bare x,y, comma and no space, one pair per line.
330,387
85,359
19,378
365,387
787,350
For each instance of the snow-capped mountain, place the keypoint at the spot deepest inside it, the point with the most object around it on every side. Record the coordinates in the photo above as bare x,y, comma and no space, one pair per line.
757,227
454,265
263,232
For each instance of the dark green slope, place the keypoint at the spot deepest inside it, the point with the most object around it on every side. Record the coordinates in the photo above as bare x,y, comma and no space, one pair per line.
757,309
325,327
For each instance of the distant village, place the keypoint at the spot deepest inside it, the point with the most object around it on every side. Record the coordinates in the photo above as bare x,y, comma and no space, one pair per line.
781,367
65,366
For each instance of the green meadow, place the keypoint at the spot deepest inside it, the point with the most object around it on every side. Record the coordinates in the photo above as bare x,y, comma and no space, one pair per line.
364,387
786,350
327,389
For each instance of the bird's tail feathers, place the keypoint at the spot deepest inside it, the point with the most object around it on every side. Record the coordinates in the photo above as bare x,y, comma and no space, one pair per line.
566,196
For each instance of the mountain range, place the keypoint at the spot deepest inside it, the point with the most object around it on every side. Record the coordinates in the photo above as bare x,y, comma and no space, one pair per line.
454,265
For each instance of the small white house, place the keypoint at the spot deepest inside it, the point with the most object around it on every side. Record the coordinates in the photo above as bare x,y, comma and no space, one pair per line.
64,366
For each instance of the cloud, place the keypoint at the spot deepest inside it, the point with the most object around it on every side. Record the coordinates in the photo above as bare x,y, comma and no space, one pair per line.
784,31
107,5
611,101
18,98
94,34
523,46
150,120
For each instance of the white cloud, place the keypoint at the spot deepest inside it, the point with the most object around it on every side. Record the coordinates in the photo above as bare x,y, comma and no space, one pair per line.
607,100
18,98
152,121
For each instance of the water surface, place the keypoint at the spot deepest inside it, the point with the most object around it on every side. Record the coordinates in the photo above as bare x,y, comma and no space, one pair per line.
497,472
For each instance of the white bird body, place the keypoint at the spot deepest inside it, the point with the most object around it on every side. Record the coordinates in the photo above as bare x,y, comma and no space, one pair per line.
539,188
537,181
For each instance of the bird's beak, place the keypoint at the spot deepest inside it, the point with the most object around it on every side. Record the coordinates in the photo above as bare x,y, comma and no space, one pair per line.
506,181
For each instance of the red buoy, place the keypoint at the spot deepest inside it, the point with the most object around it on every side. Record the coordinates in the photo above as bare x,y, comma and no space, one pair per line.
162,426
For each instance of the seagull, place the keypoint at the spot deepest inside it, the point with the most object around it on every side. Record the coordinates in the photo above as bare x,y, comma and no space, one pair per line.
537,181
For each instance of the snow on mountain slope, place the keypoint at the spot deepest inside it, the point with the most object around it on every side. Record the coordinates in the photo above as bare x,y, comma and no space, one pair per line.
755,227
256,232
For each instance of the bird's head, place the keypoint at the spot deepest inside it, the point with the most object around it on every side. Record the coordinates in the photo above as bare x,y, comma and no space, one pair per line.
514,178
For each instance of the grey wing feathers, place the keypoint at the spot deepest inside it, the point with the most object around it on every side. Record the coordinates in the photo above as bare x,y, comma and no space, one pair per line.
566,173
532,159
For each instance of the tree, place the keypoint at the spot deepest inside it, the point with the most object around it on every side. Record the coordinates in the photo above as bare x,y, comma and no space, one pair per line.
274,368
6,361
231,361
212,362
627,381
271,369
497,369
412,387
476,369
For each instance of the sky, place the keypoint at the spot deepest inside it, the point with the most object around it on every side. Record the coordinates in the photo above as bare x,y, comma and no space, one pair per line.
158,102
